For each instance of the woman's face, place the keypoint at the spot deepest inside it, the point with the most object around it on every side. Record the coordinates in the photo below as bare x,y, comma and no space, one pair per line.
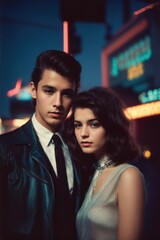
89,133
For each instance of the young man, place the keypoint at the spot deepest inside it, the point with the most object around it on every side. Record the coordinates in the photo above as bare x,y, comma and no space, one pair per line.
33,204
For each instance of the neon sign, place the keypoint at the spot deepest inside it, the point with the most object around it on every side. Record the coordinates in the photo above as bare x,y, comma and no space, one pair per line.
132,58
19,92
150,95
135,71
16,89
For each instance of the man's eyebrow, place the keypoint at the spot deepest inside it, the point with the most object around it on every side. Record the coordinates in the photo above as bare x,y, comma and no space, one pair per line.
48,86
68,90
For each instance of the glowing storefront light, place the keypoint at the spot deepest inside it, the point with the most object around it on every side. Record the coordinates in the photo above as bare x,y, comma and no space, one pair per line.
143,110
147,153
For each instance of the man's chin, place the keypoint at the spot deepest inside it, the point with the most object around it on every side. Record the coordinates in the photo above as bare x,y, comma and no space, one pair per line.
56,125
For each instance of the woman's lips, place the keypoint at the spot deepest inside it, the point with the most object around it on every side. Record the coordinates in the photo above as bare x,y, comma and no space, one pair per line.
86,144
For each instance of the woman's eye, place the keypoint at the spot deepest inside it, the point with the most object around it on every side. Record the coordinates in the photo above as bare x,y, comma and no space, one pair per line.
95,124
77,125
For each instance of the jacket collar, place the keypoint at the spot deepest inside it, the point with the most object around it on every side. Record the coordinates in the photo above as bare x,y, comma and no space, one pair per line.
37,161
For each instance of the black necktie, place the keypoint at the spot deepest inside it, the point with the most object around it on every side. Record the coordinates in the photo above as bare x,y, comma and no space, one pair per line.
61,168
63,210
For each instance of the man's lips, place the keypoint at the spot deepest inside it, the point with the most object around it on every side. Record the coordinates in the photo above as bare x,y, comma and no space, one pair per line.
55,114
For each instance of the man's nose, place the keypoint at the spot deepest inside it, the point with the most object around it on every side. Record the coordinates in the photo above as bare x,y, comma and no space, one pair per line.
57,99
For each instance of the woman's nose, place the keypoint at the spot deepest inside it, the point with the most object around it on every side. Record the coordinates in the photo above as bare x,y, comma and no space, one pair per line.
84,132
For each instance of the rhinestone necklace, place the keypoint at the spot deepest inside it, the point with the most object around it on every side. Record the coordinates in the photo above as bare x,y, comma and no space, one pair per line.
103,163
100,166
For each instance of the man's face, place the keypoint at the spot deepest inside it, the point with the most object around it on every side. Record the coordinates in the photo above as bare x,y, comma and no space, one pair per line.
53,96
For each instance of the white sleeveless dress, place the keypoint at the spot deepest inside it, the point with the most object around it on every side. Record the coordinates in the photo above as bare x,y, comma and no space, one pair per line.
98,217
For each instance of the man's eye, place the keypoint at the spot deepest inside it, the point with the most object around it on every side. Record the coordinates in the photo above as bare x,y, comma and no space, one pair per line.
49,91
68,94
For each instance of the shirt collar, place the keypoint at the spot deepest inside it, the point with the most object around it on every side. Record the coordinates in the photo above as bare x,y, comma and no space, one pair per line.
45,135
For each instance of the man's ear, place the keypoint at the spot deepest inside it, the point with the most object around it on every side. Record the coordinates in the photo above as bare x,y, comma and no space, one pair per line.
33,90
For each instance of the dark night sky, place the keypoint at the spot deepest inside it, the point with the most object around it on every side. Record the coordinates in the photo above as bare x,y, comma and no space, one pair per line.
30,27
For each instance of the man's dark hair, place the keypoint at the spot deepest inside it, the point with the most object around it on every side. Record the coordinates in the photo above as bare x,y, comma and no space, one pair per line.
61,62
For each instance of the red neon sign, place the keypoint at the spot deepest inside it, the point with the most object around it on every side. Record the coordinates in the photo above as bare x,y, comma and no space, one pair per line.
16,90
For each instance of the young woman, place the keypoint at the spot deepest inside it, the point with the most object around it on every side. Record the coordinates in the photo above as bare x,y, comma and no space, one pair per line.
113,206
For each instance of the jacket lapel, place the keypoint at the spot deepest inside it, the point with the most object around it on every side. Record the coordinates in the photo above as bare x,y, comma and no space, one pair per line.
36,162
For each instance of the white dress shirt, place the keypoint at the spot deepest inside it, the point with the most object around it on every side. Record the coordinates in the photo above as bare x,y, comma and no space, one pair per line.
45,138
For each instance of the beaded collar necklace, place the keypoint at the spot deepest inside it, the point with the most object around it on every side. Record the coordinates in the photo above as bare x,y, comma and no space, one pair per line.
103,163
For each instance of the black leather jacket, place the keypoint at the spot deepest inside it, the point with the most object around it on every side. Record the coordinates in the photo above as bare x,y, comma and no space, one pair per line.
26,187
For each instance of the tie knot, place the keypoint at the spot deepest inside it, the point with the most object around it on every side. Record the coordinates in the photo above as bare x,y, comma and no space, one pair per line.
57,140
